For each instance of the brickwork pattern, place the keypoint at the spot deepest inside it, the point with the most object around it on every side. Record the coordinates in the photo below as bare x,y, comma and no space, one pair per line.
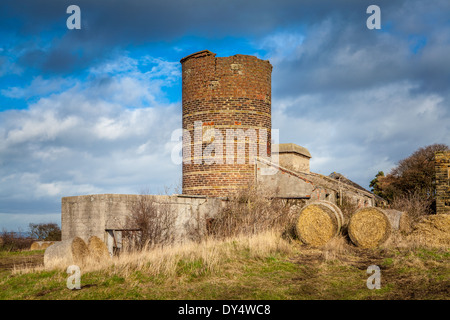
224,94
442,182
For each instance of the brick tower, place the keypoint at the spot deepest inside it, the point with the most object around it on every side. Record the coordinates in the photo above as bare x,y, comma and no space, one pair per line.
226,101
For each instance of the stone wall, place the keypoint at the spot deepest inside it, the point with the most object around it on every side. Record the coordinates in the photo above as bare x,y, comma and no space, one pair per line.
442,182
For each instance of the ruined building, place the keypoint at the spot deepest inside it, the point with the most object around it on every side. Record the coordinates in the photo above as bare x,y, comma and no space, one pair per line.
227,145
442,182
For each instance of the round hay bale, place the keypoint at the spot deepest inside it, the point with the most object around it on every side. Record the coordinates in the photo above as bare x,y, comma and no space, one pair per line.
98,249
65,253
46,244
318,222
36,245
399,220
433,230
41,245
369,227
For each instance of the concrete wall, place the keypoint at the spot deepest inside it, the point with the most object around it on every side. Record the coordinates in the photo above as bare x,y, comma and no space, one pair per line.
295,162
294,157
286,183
92,215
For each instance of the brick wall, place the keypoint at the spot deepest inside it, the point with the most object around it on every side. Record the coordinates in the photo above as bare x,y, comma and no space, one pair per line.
442,182
223,93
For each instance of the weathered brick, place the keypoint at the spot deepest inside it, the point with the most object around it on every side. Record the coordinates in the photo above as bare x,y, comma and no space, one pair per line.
224,93
442,182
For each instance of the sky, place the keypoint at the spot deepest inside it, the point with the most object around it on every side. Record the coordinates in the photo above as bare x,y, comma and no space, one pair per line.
92,110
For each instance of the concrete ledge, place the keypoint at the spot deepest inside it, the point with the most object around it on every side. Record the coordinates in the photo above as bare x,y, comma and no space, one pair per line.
293,148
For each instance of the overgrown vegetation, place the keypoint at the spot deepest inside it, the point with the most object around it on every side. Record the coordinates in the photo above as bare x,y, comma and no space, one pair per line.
251,211
244,255
261,266
153,223
13,241
413,180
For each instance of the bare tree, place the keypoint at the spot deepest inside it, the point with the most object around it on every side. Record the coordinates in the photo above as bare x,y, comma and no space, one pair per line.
154,219
45,231
250,211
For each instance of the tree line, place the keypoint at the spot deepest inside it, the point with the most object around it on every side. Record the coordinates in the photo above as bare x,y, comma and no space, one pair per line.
412,178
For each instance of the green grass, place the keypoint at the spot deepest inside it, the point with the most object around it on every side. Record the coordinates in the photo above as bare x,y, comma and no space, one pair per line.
24,253
301,273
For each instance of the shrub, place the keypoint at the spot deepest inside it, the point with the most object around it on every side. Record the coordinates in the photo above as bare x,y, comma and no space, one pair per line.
45,231
155,222
251,211
12,241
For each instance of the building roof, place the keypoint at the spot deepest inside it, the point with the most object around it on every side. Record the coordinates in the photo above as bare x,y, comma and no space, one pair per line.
293,148
339,177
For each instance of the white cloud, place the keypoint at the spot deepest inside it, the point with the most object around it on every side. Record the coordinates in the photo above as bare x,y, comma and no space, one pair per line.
39,87
87,140
282,46
362,132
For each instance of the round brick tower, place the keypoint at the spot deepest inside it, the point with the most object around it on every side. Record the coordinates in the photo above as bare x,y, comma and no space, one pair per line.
226,111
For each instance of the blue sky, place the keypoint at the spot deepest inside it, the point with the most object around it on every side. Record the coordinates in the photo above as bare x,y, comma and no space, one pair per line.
92,110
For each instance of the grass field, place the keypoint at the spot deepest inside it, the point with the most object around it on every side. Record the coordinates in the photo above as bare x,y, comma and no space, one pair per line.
264,266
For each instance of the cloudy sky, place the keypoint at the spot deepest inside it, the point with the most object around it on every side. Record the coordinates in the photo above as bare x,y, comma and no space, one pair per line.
92,110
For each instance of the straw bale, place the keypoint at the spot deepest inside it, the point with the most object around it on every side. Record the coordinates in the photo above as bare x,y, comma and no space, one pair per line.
433,229
369,227
98,249
399,220
65,253
41,245
318,222
36,245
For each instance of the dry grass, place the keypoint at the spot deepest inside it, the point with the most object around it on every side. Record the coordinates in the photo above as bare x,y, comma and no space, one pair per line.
433,230
209,254
413,204
259,266
251,211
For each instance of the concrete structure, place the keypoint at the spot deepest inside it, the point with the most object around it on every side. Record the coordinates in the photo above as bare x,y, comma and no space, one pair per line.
220,95
104,215
442,182
294,157
230,99
291,184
